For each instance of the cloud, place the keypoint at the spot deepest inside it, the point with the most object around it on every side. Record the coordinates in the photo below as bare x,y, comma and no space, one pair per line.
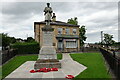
94,35
22,8
18,17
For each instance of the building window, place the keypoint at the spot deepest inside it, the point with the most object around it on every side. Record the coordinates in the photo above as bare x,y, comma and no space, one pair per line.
71,44
67,31
54,44
59,30
74,31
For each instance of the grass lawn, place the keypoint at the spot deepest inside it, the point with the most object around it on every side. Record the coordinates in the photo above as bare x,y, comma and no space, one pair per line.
59,56
17,61
95,65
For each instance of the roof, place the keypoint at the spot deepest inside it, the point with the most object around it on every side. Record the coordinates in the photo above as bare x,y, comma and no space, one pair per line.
58,23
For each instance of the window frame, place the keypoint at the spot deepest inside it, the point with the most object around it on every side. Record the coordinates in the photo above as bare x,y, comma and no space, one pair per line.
73,30
71,44
68,30
59,29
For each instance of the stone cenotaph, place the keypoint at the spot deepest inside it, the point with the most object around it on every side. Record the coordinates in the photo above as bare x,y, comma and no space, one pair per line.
47,56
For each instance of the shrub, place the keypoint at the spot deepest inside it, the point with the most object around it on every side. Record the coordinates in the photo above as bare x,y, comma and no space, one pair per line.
26,47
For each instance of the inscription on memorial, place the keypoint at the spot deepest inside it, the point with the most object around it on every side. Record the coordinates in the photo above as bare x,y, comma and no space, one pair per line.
47,38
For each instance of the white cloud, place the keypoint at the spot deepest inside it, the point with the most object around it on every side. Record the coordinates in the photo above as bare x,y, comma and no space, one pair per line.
18,18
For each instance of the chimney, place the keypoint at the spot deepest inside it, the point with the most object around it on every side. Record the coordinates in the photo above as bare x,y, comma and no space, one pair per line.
54,17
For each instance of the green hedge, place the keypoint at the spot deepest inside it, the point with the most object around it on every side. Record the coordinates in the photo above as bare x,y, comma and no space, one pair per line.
26,48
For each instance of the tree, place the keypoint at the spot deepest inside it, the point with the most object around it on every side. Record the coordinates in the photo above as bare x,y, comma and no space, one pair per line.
108,39
73,21
5,40
30,39
82,36
12,40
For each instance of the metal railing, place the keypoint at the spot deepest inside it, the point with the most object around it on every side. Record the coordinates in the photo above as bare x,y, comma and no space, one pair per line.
8,54
112,60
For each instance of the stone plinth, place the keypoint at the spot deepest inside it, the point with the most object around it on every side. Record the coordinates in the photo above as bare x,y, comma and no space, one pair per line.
47,56
47,50
48,63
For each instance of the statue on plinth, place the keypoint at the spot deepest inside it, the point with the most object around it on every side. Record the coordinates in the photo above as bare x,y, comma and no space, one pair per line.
47,56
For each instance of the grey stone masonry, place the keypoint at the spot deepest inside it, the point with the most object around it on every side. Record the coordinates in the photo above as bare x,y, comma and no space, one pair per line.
49,63
47,38
47,56
47,50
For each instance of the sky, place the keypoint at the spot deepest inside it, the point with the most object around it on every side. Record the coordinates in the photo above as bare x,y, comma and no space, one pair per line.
17,18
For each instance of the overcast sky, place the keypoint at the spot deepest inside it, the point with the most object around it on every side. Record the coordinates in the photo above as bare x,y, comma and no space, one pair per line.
18,17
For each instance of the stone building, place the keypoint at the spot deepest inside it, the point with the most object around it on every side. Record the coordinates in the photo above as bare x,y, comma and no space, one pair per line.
66,36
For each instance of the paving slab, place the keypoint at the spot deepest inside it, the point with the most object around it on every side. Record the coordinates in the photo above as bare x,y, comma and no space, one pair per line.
69,67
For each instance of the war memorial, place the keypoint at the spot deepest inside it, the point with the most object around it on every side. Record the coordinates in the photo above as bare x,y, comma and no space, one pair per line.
47,55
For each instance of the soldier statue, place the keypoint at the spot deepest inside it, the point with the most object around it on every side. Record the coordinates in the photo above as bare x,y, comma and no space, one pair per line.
48,14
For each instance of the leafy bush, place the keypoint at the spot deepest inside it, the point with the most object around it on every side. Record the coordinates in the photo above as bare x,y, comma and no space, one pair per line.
26,47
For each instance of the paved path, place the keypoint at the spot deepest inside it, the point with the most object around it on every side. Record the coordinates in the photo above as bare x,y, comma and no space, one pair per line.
69,67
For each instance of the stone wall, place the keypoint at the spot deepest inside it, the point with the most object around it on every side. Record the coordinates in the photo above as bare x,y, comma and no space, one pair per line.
39,35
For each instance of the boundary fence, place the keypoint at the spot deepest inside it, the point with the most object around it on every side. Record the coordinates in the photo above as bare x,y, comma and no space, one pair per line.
8,54
113,60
